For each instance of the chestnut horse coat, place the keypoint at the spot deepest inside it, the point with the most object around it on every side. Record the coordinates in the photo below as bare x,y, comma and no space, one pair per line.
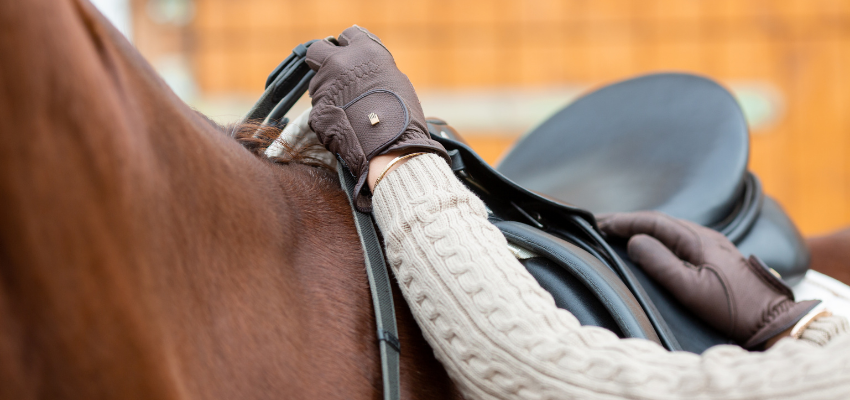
145,254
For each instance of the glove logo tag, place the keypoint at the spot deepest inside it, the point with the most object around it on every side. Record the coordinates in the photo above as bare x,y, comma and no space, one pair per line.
373,118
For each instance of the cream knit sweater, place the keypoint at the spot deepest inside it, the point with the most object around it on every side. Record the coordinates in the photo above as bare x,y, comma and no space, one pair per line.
500,336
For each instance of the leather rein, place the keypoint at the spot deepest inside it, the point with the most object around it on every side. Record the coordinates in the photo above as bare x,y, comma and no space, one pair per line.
284,86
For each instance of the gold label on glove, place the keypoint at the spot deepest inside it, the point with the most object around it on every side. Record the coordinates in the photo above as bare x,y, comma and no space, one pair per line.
373,118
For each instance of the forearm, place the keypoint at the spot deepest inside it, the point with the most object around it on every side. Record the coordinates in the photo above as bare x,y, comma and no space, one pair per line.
500,335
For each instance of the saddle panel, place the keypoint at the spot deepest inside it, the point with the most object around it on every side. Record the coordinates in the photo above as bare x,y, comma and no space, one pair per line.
604,305
676,143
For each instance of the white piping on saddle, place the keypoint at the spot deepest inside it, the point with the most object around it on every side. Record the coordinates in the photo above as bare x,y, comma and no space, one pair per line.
817,286
520,253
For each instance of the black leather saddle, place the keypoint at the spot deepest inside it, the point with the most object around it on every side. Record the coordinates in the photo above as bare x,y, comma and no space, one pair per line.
675,143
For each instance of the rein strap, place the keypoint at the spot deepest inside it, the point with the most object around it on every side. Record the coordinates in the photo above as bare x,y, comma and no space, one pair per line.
379,285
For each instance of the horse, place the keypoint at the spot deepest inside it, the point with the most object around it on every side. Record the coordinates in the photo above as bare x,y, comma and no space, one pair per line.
830,254
146,252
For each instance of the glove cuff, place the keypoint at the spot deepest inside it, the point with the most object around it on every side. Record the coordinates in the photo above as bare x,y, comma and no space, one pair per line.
784,313
784,317
362,195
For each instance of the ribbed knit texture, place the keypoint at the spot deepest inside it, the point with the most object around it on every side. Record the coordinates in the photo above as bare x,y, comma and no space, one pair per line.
823,329
500,335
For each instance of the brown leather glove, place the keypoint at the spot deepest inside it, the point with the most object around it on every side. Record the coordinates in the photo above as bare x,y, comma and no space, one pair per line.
709,276
363,106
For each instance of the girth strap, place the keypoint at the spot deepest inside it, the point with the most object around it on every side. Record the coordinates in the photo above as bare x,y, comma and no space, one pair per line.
379,284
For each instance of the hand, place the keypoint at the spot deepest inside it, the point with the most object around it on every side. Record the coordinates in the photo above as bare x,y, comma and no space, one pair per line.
709,276
363,106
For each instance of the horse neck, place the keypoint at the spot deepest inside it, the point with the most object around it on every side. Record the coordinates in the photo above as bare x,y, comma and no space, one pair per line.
144,254
179,265
270,286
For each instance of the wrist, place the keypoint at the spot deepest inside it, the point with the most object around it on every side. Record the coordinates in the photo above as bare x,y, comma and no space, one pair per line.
796,331
383,164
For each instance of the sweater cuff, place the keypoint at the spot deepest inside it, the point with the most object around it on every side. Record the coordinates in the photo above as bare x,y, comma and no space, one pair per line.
420,176
824,329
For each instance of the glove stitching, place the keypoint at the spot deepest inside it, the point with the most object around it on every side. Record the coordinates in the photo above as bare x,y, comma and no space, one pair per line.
721,277
374,38
344,80
700,245
769,279
773,313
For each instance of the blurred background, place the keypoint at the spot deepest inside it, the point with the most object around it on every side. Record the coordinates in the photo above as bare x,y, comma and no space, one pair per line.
495,68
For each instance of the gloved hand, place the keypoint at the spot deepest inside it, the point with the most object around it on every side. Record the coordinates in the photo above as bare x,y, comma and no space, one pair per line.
709,276
363,106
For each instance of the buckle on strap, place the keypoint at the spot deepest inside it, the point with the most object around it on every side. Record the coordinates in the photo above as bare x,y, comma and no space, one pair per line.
391,340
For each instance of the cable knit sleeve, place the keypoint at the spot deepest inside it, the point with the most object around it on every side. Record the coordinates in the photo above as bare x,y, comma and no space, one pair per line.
500,335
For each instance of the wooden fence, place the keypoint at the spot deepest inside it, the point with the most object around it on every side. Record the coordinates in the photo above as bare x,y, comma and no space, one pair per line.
792,56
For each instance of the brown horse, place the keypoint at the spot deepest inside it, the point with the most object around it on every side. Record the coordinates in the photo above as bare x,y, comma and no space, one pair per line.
144,253
831,254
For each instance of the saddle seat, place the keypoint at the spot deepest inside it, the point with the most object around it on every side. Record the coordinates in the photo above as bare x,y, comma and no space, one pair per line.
675,143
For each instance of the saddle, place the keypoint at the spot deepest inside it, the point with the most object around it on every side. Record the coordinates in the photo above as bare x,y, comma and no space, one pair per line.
675,143
671,142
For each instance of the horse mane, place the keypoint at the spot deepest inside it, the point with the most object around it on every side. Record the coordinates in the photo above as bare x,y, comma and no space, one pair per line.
256,137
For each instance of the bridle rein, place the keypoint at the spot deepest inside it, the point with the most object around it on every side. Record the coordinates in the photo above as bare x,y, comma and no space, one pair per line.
284,86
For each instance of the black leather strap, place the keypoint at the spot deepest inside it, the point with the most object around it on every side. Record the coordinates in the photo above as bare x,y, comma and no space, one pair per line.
665,334
379,285
284,86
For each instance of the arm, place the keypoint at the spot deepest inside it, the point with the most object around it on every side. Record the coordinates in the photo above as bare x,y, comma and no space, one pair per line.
500,335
